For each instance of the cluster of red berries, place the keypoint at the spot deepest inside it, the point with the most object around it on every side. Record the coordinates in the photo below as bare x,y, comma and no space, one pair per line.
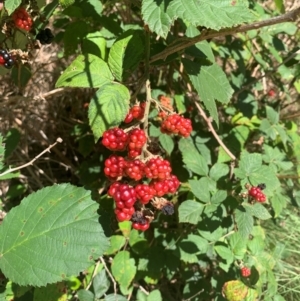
5,59
117,140
245,272
135,112
256,193
129,200
22,19
176,124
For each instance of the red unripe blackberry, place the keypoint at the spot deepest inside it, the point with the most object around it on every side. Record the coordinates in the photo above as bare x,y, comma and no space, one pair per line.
128,118
113,188
2,60
141,227
157,168
137,139
176,124
129,210
115,139
138,112
114,166
133,153
144,193
122,216
245,272
160,187
257,194
135,169
173,183
22,19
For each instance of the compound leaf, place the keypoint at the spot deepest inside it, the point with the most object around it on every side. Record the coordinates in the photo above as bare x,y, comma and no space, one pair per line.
53,234
87,71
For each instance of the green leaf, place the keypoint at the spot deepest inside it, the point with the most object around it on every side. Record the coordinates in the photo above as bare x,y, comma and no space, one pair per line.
113,297
218,171
224,252
200,190
278,202
123,268
125,54
116,243
95,44
219,197
11,5
257,210
100,284
86,72
155,295
84,295
66,3
191,157
167,143
155,15
51,292
190,212
244,222
238,245
214,14
62,222
249,164
203,79
272,115
108,108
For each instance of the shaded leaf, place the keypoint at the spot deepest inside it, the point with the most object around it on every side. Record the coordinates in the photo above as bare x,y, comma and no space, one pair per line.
244,222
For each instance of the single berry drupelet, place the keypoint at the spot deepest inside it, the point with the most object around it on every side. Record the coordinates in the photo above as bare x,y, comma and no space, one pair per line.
45,36
245,272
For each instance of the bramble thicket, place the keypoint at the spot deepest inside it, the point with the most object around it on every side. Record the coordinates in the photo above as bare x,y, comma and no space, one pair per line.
149,150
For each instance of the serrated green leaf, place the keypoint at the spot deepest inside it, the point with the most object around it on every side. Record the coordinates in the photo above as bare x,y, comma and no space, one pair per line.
123,268
257,210
116,243
238,245
191,157
56,291
190,212
200,190
84,295
108,108
215,14
203,79
244,221
95,44
155,15
249,164
125,54
155,295
62,222
224,252
218,171
86,72
11,5
167,143
114,297
100,284
278,202
219,197
272,115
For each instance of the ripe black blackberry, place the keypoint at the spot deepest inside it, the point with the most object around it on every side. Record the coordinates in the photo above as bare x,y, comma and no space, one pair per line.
5,59
262,186
45,36
168,209
139,218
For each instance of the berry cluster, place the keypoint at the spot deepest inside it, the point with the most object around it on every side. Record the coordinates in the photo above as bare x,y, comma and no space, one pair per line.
135,112
22,19
5,59
129,200
176,124
245,272
256,193
45,36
